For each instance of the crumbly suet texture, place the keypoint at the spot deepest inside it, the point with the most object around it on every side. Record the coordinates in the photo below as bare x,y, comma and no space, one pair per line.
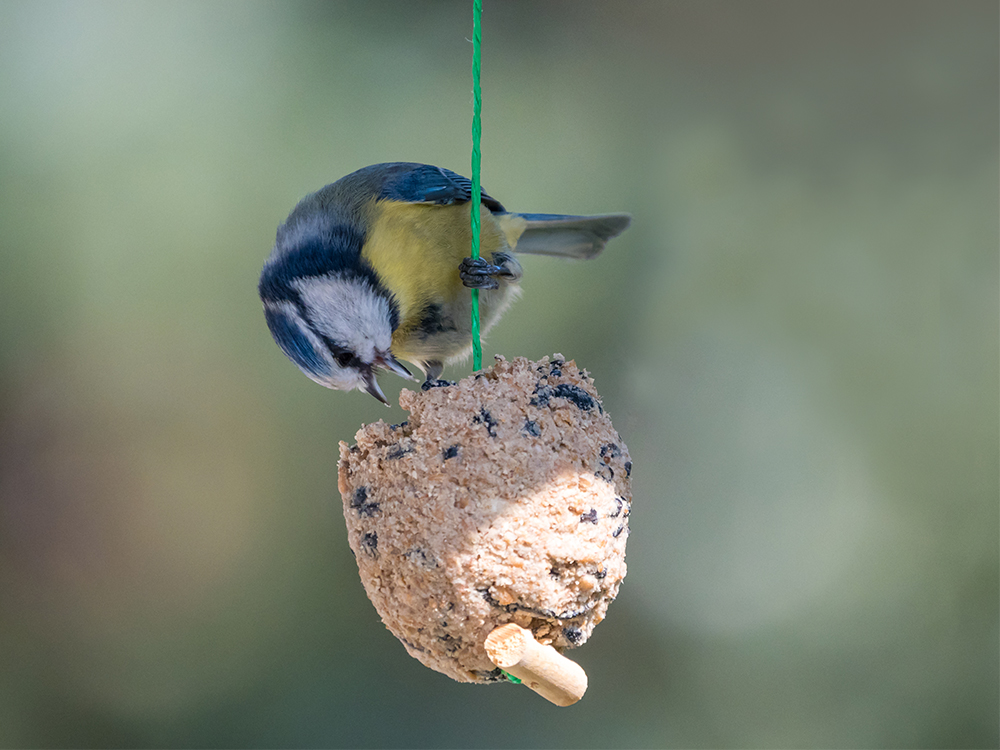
503,498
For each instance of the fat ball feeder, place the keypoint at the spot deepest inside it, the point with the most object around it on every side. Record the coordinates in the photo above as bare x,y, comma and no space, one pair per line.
489,529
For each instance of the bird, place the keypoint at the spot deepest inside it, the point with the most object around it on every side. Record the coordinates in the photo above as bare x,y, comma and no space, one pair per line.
375,268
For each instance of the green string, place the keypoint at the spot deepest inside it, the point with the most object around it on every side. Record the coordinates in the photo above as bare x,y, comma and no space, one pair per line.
477,132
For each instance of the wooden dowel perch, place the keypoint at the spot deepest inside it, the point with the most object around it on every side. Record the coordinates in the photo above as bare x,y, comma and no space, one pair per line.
541,668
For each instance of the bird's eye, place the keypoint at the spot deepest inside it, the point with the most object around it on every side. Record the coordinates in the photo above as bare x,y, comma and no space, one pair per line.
344,359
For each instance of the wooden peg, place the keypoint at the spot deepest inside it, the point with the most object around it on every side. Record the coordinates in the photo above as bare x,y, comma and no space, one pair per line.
541,668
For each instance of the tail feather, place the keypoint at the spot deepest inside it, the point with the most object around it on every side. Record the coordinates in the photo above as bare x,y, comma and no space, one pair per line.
581,237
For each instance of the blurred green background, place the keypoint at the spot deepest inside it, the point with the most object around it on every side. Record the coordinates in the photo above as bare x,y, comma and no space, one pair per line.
797,338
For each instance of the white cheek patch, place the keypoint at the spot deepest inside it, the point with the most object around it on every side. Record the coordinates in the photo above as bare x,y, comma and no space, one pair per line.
348,312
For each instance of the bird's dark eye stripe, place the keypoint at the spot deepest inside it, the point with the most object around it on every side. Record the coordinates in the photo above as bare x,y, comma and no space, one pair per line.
343,357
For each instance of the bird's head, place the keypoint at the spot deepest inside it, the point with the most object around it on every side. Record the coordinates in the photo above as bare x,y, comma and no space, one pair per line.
337,328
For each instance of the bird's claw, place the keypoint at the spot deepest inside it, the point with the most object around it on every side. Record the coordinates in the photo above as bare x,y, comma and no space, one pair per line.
479,273
437,383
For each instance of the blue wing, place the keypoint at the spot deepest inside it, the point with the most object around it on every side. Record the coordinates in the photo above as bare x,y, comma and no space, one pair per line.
422,183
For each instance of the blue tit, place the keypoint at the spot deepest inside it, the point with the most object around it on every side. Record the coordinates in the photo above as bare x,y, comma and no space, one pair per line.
374,268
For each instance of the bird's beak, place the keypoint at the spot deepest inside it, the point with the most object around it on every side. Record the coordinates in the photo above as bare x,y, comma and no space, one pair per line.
371,385
392,364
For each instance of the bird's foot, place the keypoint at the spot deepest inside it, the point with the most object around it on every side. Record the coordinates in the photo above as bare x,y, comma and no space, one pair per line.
479,273
428,384
432,370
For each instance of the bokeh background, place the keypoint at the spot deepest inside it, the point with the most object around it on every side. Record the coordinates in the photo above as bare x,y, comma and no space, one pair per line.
797,338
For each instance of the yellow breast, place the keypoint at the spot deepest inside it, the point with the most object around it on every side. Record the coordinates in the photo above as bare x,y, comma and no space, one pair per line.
416,250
